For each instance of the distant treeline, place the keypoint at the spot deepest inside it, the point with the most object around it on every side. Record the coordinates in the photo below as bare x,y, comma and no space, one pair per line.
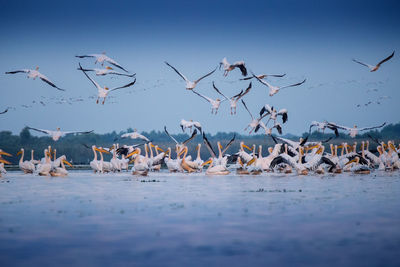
73,146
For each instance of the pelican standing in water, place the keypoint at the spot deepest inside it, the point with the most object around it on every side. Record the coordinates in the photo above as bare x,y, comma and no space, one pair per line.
25,166
57,134
101,58
104,91
36,74
60,171
189,84
377,66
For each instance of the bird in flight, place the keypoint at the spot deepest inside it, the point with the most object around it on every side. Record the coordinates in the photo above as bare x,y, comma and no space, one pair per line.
36,74
57,134
101,58
377,66
189,84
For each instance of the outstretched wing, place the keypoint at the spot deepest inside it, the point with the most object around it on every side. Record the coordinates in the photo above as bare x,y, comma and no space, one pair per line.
242,67
228,145
208,74
190,138
93,81
125,86
292,85
5,111
170,136
208,145
245,92
39,130
262,81
122,74
46,80
386,59
180,74
83,56
218,91
17,71
244,104
76,132
370,128
364,64
205,97
115,63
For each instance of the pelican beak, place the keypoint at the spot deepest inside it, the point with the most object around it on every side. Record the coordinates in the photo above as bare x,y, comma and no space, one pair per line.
102,150
66,162
5,153
251,161
392,146
131,161
319,150
19,153
182,151
207,162
340,146
4,161
312,147
248,148
109,68
351,161
152,145
160,149
132,153
220,146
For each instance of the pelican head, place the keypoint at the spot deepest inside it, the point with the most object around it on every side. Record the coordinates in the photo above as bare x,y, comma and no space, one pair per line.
58,128
37,68
355,126
106,88
218,99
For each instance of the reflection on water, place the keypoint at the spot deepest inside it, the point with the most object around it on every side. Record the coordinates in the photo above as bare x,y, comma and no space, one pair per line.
196,220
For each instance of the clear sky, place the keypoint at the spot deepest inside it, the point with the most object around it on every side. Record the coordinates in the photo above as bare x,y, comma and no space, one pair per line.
304,39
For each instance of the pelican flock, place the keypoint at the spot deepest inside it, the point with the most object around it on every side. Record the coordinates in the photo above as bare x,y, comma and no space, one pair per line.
286,156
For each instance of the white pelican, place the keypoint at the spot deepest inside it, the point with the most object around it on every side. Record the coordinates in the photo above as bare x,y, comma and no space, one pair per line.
101,58
105,165
297,165
115,162
222,158
3,161
104,91
376,67
229,67
189,125
263,76
173,165
155,161
198,161
33,160
214,103
181,145
354,131
108,70
36,74
140,164
57,134
188,166
268,131
214,169
44,168
60,171
5,111
234,99
96,164
274,113
189,84
254,122
321,126
25,166
275,89
355,166
135,135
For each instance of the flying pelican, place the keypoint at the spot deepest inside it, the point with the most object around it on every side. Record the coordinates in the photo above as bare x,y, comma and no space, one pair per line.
214,103
234,99
275,89
189,84
376,67
354,131
189,124
263,76
36,74
108,70
229,67
57,134
103,92
135,135
254,122
101,58
5,111
322,126
180,146
268,131
274,113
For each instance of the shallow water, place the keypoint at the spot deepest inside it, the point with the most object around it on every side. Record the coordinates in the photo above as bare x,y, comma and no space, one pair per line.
176,219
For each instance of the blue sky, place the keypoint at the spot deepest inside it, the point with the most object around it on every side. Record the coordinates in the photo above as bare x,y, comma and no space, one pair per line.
304,39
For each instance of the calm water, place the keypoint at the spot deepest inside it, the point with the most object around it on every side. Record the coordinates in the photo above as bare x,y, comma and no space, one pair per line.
119,220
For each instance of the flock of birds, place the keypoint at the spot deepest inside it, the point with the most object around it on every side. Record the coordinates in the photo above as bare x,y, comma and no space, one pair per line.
286,156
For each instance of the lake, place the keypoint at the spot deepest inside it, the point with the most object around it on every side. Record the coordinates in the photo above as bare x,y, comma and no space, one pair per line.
196,220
